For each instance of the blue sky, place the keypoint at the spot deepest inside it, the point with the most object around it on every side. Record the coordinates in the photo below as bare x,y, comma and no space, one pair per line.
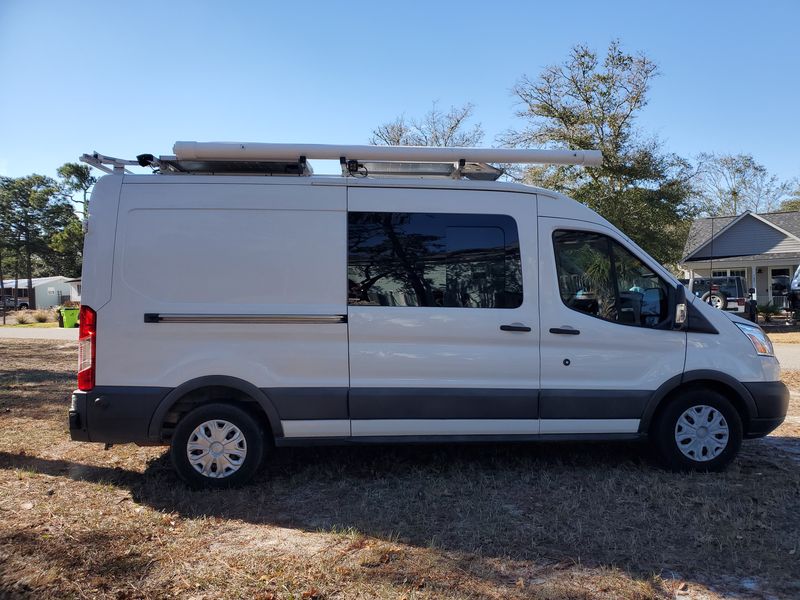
128,78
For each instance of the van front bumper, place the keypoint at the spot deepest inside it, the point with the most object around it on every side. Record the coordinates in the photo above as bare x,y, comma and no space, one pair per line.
772,402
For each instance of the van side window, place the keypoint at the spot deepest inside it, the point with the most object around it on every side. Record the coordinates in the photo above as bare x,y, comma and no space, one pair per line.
433,259
599,277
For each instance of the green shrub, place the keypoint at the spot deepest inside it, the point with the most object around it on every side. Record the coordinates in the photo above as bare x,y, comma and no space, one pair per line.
768,311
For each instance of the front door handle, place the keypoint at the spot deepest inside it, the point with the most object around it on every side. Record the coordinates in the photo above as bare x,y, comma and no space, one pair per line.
514,327
565,330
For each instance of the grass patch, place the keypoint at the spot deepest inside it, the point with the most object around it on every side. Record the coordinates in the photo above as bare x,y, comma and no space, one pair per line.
547,521
41,316
790,337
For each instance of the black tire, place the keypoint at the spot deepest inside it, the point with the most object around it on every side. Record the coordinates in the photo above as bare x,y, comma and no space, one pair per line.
248,426
665,437
716,299
23,306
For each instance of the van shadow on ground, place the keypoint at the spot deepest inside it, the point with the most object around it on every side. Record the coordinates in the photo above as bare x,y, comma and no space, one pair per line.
596,504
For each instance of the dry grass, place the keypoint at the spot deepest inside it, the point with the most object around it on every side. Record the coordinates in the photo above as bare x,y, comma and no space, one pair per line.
788,337
31,318
483,521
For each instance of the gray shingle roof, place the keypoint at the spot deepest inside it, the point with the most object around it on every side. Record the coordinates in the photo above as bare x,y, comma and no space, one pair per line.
700,232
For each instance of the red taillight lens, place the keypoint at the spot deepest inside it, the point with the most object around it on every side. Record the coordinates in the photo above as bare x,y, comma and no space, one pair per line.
741,302
87,348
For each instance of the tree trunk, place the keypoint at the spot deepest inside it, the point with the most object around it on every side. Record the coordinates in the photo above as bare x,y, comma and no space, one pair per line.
2,287
29,264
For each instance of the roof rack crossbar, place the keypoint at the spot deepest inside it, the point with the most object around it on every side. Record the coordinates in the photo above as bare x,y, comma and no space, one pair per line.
108,164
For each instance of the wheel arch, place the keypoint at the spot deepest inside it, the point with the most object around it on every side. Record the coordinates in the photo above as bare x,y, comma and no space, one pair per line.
721,382
214,382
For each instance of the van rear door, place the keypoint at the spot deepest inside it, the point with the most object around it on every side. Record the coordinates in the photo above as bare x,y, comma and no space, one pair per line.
442,315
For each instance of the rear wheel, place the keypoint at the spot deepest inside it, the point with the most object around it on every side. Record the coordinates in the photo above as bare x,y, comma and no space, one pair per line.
217,446
716,299
699,431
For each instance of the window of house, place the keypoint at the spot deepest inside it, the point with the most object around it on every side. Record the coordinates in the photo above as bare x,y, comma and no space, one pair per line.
433,259
730,273
599,277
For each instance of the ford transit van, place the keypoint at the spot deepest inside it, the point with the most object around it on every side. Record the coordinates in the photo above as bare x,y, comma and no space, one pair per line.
234,301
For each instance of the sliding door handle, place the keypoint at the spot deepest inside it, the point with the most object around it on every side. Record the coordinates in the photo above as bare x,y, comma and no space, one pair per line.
514,327
565,330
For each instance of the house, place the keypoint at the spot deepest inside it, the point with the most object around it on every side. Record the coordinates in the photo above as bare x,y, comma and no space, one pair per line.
764,249
48,291
74,289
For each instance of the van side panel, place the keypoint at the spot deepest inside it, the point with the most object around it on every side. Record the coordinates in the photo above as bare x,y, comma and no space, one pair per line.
236,280
98,243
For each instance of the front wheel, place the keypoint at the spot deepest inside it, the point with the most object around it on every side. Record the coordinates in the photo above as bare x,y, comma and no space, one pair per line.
217,446
698,431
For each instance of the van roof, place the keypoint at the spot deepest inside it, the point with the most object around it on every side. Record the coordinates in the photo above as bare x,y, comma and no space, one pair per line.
404,182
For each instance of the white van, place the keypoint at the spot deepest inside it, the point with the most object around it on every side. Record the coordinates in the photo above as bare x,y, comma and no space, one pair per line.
226,311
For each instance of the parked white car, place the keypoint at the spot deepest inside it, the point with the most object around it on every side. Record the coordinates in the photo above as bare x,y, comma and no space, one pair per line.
223,313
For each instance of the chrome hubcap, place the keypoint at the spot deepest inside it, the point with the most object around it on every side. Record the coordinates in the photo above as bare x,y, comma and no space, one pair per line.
716,301
702,433
216,448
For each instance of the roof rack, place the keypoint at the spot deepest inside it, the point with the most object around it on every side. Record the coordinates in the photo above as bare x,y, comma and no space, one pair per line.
108,164
387,161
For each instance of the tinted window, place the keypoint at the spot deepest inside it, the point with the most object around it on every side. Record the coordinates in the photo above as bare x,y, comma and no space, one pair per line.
599,277
433,259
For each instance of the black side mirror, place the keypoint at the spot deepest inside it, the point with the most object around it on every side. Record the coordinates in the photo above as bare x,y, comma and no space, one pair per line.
681,316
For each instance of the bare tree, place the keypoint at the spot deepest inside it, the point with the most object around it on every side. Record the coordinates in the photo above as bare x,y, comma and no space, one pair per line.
730,184
436,128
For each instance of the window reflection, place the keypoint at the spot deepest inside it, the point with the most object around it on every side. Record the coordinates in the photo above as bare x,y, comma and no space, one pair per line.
599,277
433,259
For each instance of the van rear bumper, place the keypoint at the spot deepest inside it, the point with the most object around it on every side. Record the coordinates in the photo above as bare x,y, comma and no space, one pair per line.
114,414
772,402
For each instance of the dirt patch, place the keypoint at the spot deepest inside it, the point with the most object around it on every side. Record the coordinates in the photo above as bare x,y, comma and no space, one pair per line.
542,521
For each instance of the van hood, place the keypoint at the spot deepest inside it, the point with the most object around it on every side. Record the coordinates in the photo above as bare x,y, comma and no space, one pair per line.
737,319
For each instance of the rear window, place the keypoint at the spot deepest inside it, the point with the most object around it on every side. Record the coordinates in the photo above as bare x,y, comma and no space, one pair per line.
732,287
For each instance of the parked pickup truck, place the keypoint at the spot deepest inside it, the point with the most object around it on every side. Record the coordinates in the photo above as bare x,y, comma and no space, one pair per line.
19,304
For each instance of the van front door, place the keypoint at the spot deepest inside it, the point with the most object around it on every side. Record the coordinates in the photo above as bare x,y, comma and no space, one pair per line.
442,315
607,340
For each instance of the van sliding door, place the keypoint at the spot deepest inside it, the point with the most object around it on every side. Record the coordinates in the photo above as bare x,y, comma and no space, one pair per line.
442,315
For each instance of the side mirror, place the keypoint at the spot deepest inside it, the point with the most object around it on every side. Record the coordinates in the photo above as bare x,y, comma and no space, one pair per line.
681,309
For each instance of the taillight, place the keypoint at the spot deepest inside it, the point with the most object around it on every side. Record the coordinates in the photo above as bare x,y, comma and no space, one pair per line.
741,302
87,348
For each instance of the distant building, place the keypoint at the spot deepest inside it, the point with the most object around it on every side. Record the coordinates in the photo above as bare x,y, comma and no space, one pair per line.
74,289
764,249
48,291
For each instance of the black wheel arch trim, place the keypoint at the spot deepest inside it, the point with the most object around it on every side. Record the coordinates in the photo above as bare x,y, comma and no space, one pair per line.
673,383
154,430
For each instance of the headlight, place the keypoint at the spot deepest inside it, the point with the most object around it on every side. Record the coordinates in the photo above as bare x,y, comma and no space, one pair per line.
759,339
